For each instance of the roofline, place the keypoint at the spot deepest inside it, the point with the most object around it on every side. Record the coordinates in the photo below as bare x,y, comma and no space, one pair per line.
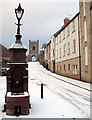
66,25
3,46
47,44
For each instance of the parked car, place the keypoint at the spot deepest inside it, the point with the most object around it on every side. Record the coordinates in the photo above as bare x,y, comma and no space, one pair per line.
3,71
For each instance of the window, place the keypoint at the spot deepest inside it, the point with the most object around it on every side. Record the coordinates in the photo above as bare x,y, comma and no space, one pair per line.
86,59
73,25
68,66
68,31
60,52
60,37
74,69
68,48
57,68
57,53
74,46
57,39
33,48
64,50
64,34
64,66
60,68
53,52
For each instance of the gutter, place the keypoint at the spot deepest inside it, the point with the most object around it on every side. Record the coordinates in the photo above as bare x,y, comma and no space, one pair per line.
79,47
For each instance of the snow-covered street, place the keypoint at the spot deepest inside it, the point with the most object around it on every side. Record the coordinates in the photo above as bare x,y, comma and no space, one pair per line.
63,97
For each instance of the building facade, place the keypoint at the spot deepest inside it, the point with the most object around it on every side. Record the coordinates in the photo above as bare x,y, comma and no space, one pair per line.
67,60
42,56
4,56
70,47
49,55
52,51
46,56
86,40
33,50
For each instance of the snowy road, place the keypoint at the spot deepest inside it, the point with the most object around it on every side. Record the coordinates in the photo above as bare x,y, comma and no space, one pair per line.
72,91
63,97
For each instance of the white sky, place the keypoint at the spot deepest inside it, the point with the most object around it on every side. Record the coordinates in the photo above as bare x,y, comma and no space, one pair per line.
40,20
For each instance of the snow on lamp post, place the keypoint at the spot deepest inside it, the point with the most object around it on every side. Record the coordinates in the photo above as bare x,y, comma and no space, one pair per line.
17,95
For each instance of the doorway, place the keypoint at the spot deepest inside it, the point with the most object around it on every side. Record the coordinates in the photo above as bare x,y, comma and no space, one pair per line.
33,59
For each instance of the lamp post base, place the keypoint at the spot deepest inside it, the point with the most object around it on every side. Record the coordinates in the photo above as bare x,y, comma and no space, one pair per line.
17,104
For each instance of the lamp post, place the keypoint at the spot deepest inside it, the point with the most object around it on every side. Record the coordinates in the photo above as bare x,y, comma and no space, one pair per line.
19,13
17,95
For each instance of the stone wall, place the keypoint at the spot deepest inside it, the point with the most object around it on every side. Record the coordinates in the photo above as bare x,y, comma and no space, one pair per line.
59,68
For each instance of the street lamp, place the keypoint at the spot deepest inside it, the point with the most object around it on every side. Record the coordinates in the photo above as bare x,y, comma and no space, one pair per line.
19,13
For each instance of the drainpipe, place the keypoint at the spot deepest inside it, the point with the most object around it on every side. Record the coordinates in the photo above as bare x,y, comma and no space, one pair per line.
79,47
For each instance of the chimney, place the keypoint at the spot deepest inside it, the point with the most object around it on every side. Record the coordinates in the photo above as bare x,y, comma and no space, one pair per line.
66,20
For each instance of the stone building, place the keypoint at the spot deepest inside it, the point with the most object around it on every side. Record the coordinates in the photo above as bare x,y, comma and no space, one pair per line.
86,39
4,56
49,56
42,56
53,53
33,50
46,56
67,54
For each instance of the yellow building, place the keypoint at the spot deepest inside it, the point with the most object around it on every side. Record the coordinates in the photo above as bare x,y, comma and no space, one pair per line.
67,54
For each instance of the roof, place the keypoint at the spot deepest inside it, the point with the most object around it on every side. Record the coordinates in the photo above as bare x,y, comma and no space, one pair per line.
42,49
66,25
4,52
17,46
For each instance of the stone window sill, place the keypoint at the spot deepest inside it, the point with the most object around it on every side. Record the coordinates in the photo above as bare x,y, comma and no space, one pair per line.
68,54
74,51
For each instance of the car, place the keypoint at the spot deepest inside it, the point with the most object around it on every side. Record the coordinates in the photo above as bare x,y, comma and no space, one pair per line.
3,71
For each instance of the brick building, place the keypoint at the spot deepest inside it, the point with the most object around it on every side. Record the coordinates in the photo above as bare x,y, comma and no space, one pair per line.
4,56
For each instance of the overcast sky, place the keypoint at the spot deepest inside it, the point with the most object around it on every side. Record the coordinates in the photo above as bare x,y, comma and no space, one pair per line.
40,20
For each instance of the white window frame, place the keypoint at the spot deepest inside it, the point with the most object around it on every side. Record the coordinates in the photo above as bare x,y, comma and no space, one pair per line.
74,69
68,30
64,34
74,46
64,50
73,25
68,48
60,52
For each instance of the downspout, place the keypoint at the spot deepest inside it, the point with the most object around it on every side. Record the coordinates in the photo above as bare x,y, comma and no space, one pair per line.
79,47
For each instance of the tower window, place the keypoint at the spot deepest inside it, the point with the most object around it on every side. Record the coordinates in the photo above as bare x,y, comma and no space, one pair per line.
33,48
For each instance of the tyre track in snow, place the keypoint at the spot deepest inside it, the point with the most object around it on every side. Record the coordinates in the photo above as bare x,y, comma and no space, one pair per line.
67,81
72,96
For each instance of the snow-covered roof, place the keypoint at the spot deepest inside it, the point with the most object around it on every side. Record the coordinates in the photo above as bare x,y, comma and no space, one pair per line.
18,45
42,49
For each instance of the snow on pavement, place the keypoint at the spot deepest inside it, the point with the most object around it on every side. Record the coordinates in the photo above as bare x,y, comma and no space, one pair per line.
61,99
